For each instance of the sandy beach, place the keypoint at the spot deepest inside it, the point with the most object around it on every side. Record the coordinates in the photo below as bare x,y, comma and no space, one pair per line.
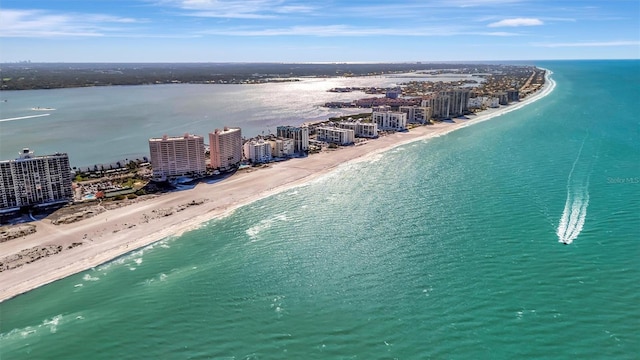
115,232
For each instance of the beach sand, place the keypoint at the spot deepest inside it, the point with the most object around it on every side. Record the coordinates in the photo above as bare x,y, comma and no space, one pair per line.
115,232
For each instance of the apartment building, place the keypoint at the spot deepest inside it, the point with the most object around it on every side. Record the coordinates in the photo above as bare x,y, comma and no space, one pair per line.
300,136
175,156
35,180
389,120
225,148
257,151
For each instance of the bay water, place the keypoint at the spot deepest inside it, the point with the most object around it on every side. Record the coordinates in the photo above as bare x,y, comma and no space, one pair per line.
445,248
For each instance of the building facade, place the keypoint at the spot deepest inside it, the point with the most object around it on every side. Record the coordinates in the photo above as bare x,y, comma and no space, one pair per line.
390,120
417,114
35,180
257,151
177,156
360,129
225,148
450,103
334,135
282,147
300,136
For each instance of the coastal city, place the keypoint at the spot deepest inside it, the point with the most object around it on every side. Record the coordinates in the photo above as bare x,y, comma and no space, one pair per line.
33,183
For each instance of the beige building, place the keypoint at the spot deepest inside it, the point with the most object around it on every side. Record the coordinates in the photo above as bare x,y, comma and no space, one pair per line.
417,114
34,180
282,147
225,147
177,156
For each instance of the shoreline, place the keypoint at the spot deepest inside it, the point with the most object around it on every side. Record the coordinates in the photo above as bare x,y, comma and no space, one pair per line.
116,232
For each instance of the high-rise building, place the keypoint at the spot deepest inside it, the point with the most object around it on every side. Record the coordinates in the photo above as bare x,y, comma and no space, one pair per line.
177,156
300,136
225,148
450,103
35,180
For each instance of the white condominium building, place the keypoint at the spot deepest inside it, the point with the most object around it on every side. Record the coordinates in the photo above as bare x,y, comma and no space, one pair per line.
300,136
257,151
360,129
225,148
34,180
417,114
282,147
177,156
390,120
335,135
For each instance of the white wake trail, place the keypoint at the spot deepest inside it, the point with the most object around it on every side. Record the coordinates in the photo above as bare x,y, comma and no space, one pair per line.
575,208
24,117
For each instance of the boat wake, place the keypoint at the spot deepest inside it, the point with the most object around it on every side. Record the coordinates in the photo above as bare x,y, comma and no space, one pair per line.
24,117
575,208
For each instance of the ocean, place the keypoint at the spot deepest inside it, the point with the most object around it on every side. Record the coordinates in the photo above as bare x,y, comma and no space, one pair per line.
444,248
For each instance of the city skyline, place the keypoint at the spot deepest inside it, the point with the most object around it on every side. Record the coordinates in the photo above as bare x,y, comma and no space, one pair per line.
333,31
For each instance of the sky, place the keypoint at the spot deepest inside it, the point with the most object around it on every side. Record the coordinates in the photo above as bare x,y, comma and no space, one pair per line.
317,31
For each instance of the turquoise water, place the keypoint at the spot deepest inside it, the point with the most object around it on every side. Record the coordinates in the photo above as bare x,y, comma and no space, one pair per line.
446,248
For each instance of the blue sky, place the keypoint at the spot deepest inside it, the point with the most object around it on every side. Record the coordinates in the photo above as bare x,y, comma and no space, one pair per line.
323,31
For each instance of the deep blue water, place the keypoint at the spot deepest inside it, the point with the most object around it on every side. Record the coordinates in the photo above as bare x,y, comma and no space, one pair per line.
445,248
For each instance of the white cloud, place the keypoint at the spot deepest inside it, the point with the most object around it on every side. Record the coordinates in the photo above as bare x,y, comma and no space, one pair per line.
517,22
347,30
590,44
238,9
39,23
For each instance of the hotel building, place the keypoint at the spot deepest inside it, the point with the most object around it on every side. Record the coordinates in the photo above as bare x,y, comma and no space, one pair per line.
335,135
177,156
35,180
225,148
300,136
390,120
257,151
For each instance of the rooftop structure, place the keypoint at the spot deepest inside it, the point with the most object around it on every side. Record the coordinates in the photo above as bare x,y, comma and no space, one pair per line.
35,180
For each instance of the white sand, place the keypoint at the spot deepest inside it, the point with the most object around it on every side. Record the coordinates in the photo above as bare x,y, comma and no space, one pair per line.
111,233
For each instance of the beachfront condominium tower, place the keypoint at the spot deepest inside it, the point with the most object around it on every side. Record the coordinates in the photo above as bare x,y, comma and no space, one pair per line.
35,180
177,156
225,148
300,136
390,120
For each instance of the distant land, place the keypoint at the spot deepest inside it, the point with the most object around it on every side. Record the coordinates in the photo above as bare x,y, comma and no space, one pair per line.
29,76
